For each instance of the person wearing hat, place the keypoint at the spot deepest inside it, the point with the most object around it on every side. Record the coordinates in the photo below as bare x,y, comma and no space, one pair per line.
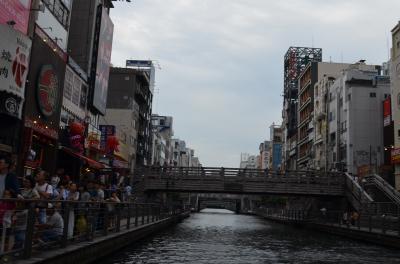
53,228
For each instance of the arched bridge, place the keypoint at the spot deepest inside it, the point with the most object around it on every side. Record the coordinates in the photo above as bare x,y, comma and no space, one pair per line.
239,181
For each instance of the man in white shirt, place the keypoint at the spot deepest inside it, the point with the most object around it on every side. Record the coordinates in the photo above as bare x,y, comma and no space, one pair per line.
45,191
54,226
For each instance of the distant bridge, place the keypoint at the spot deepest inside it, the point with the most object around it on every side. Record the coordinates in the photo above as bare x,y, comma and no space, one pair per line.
239,181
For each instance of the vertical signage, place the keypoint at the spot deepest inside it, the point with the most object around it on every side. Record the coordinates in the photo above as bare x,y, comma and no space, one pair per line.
15,12
387,112
105,38
14,60
106,130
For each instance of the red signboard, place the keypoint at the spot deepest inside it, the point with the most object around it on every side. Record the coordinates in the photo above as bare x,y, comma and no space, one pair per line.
15,12
387,112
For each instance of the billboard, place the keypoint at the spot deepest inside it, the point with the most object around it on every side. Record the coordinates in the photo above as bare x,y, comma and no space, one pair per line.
395,156
15,49
387,112
105,37
44,90
17,11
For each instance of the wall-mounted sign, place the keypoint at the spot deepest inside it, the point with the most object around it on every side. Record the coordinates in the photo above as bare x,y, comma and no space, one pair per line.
106,130
395,156
15,11
47,90
105,37
387,112
14,59
10,104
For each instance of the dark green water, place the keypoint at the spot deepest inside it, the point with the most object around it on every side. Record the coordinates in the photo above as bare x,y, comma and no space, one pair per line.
217,236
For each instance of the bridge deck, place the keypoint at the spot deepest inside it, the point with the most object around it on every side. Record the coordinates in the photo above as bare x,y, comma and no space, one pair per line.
239,181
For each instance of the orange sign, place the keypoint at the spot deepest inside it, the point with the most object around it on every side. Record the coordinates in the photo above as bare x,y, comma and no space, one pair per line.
395,156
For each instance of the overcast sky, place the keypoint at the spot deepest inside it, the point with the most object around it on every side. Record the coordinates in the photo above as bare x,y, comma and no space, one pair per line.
221,75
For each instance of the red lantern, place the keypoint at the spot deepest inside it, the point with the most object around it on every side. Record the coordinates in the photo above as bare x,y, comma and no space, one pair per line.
76,128
76,131
112,143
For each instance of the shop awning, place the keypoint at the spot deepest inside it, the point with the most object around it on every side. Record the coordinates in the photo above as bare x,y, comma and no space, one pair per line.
91,163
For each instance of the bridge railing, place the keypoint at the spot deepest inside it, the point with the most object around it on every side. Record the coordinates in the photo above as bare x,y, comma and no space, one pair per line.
161,177
31,226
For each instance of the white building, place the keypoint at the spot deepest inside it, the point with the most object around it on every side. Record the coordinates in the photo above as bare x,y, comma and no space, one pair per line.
162,132
248,161
355,117
321,90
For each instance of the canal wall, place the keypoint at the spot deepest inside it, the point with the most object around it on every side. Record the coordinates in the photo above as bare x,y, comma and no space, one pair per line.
388,239
88,252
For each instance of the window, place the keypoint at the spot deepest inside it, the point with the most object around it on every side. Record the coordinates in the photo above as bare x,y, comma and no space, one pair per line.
341,102
349,97
82,103
398,133
59,10
68,84
76,90
372,95
331,116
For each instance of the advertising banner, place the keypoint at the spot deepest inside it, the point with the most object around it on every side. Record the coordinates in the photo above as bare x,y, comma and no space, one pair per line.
14,61
395,156
103,62
15,11
387,112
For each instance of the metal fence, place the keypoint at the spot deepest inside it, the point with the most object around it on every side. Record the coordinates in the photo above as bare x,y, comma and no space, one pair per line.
32,226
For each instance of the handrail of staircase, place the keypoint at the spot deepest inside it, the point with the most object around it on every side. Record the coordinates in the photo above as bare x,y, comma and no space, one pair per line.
358,186
395,195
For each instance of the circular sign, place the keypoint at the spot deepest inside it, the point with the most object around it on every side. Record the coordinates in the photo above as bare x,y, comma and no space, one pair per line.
11,106
47,90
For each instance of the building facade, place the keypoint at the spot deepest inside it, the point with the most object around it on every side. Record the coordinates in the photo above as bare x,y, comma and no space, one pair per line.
129,92
355,116
295,60
395,100
312,73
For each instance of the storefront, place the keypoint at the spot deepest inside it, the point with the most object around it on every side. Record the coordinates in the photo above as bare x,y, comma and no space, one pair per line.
43,104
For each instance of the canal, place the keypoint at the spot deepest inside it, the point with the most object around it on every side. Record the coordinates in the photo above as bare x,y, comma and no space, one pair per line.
219,236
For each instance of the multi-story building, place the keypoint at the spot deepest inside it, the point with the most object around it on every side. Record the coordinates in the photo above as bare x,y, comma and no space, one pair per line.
276,147
313,72
183,156
295,60
395,98
248,161
265,154
320,120
355,116
130,93
44,86
162,133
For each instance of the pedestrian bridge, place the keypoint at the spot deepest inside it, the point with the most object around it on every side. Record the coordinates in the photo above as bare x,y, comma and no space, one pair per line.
239,181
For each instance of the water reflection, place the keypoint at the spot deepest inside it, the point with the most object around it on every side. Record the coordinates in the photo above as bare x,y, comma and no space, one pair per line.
220,236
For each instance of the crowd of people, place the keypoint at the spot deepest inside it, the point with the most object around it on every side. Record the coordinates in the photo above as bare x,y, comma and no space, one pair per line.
51,191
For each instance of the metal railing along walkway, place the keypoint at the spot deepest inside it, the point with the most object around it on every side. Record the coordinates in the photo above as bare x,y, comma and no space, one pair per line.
30,227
